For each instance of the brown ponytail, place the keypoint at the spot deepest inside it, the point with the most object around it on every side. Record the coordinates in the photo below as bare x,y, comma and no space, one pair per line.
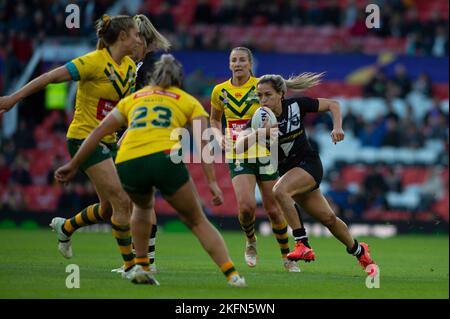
108,29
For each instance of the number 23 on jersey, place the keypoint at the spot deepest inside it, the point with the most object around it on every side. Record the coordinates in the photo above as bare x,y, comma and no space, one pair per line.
162,117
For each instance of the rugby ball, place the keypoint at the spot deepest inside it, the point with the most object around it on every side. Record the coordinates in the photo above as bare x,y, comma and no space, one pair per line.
261,115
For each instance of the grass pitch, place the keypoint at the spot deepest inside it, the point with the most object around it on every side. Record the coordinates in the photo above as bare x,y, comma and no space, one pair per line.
413,266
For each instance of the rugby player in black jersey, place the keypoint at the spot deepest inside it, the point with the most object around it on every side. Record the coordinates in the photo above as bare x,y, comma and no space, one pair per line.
299,165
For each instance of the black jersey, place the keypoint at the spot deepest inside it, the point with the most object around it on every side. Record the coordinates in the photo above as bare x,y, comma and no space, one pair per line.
293,144
144,70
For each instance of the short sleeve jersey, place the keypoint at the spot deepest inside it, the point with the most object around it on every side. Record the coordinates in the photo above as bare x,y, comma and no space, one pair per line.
238,103
293,143
152,114
144,69
101,84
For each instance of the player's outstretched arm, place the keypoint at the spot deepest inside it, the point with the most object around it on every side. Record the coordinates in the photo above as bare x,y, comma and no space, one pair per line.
326,105
60,74
215,120
208,168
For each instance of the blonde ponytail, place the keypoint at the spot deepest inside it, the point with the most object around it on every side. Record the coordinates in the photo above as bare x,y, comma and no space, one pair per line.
297,82
151,35
303,81
167,72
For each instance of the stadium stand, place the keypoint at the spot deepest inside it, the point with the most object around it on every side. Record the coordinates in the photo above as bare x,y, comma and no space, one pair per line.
412,29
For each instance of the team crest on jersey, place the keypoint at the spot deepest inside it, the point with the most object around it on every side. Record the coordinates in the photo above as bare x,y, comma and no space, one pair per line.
295,120
291,127
112,76
238,167
225,97
252,97
121,85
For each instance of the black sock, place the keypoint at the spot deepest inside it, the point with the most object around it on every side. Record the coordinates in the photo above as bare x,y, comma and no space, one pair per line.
151,244
357,250
300,235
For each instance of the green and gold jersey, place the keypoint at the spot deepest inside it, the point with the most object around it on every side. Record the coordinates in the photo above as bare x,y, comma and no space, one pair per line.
152,115
101,84
238,103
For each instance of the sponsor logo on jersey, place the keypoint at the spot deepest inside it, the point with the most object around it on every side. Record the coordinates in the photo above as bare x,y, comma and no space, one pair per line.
158,92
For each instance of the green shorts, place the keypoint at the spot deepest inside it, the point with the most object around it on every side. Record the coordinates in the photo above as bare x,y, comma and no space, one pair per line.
102,152
139,175
263,171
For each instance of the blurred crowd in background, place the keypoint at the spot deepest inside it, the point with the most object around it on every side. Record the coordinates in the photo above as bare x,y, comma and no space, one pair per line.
416,28
421,27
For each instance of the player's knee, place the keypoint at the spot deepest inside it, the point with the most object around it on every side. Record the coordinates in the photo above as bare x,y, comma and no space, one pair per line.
273,212
145,205
118,198
105,211
279,192
141,215
121,203
192,221
328,220
247,211
121,209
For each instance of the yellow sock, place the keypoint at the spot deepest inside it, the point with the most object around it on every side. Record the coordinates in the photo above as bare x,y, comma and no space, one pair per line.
88,216
249,229
228,269
122,234
282,236
143,261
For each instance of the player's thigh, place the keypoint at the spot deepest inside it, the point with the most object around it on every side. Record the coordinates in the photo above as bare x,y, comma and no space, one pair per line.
143,201
106,181
187,204
102,151
244,189
267,196
295,181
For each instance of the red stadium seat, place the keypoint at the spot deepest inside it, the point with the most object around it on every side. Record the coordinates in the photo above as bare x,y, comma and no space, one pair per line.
183,13
424,216
224,181
425,8
353,174
333,89
414,175
440,91
397,215
50,120
40,162
215,4
441,207
153,6
444,175
42,197
373,45
387,215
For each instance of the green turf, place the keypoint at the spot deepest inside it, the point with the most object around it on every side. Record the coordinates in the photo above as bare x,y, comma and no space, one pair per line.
410,267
